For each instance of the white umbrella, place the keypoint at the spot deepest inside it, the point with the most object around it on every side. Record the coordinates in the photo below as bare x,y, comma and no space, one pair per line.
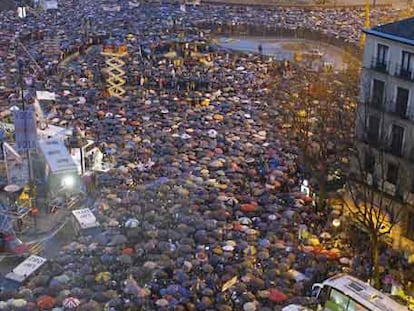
245,221
18,303
132,223
150,265
345,261
162,302
71,303
212,133
113,223
249,306
228,248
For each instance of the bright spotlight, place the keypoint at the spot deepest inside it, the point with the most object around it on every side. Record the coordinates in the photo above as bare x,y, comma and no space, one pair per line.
336,222
68,181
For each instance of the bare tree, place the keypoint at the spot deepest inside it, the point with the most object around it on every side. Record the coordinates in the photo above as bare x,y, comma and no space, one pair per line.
370,199
321,119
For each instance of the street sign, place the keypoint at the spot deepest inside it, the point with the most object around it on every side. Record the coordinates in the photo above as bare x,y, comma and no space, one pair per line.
25,130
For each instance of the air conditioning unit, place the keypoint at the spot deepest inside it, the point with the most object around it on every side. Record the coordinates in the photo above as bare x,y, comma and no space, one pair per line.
369,179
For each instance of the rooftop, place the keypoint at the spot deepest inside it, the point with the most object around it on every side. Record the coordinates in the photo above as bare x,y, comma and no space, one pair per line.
6,5
402,30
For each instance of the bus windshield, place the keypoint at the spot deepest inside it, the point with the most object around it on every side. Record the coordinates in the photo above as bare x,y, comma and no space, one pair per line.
346,293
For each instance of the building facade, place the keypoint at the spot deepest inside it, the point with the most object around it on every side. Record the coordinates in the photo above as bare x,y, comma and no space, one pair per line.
385,121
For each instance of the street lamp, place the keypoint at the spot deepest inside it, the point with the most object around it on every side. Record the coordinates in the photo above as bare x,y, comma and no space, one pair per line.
76,141
336,223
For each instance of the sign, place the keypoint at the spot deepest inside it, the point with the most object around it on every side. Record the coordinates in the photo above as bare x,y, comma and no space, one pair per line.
26,268
21,12
85,218
230,283
304,187
25,130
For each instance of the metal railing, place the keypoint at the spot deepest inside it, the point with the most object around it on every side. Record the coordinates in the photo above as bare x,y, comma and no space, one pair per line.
403,72
380,65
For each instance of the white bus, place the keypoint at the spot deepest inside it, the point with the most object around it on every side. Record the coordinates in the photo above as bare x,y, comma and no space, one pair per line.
84,222
346,293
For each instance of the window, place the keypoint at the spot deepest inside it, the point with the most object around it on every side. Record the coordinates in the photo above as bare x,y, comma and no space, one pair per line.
401,102
369,162
397,137
355,306
392,173
406,64
377,97
410,226
337,301
373,130
382,55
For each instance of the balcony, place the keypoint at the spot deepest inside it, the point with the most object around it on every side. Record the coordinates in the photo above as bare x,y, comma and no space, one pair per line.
380,65
404,73
376,103
396,150
400,110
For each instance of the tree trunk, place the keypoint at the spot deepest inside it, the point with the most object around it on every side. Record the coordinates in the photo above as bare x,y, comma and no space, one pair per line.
322,192
375,261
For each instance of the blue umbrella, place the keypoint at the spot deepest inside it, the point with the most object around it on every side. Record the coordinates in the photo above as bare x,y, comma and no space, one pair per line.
105,258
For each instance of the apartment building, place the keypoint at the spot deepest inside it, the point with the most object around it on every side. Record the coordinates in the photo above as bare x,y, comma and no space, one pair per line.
385,120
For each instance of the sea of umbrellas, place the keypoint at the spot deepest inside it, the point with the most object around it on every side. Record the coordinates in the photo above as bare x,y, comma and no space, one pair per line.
201,207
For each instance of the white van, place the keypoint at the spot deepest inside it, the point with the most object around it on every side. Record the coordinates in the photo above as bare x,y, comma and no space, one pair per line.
84,222
346,293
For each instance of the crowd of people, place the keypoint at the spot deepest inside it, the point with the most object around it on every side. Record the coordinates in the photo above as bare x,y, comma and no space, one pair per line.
201,208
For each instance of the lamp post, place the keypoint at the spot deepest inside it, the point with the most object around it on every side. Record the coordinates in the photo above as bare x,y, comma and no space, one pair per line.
336,223
77,141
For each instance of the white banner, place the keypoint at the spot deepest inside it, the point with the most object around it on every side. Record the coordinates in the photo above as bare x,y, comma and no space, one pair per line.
25,130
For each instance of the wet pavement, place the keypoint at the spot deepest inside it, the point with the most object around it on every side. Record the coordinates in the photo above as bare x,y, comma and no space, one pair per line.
286,49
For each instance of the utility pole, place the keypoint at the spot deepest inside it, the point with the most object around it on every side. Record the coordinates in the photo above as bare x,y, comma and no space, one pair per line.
28,155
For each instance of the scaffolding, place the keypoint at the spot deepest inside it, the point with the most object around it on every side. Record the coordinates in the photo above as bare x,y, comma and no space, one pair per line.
114,68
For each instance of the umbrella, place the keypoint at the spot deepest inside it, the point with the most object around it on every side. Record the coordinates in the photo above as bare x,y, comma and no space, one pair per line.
250,251
276,295
162,302
132,223
325,235
18,303
118,240
45,302
103,277
249,306
345,261
71,303
131,287
248,207
62,279
125,259
245,221
150,265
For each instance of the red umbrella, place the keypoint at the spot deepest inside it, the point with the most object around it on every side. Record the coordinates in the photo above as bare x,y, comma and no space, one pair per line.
249,207
276,296
45,302
127,251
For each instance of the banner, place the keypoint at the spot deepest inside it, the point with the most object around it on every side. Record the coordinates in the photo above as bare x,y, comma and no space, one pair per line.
25,130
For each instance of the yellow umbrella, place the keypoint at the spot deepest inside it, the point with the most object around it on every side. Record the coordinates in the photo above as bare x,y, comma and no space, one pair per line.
302,113
218,117
103,277
250,251
205,102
